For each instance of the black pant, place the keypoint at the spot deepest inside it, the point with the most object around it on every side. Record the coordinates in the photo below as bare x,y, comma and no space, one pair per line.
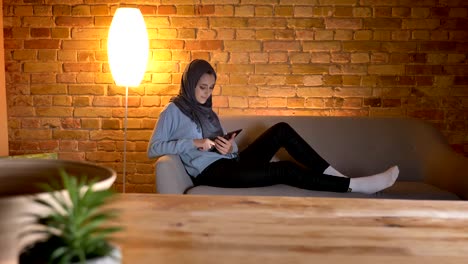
254,169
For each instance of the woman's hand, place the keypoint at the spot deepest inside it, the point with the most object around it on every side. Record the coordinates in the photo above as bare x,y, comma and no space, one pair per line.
224,146
203,144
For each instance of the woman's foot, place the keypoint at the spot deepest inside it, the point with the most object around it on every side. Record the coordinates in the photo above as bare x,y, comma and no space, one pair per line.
374,183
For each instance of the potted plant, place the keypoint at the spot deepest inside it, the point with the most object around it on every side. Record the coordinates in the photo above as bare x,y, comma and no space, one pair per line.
72,230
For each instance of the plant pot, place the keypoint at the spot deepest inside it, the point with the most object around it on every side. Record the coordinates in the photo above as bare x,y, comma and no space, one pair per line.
18,181
115,257
30,256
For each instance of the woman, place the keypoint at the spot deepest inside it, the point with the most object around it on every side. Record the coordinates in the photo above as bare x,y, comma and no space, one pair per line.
188,127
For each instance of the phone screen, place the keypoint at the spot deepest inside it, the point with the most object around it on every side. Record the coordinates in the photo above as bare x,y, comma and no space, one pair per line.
228,135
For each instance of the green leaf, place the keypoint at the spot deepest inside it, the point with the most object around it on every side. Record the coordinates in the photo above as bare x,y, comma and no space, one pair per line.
58,197
105,232
47,204
45,187
58,253
44,203
99,249
82,256
97,198
66,259
70,184
76,224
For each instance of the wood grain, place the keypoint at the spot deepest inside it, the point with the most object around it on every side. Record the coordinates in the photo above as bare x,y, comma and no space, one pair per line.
229,229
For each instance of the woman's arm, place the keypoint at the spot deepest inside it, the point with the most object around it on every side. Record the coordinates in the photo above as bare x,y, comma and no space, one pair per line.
163,142
175,134
203,144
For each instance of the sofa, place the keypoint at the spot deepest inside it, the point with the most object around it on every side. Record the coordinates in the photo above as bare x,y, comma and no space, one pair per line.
356,146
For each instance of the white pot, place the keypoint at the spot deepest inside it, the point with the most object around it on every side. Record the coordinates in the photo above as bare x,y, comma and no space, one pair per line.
115,257
18,181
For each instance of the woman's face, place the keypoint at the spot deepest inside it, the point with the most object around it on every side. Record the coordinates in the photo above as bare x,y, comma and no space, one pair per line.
204,87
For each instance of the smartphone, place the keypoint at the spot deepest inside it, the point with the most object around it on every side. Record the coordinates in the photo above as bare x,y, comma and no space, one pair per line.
228,135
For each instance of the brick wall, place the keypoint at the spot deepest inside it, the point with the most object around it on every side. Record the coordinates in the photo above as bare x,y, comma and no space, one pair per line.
287,57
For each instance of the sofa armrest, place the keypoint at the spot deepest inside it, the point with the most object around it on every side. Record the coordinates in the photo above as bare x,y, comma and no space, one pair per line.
171,177
461,172
450,172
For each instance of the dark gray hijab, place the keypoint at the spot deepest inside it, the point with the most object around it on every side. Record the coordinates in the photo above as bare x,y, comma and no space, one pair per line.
201,114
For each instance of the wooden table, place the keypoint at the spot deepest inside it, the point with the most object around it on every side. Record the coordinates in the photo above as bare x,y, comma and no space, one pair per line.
228,229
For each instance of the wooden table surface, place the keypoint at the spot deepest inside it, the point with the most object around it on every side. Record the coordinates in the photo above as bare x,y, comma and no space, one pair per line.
227,229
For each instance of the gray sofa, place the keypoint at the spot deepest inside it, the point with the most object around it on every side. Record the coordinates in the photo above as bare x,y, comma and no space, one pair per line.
356,146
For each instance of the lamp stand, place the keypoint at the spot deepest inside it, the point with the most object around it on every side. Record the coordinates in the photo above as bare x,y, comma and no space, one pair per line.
125,139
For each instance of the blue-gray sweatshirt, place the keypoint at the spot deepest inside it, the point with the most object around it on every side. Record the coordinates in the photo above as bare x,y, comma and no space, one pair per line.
174,134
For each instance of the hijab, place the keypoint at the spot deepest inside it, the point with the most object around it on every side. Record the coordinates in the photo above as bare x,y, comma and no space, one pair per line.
202,114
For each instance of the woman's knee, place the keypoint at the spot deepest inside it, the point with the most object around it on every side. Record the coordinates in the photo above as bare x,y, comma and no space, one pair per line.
282,126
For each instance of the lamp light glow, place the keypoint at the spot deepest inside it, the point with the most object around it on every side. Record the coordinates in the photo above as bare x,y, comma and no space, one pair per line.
127,47
127,50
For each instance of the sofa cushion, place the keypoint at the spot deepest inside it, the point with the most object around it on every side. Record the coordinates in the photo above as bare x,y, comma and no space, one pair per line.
400,190
416,190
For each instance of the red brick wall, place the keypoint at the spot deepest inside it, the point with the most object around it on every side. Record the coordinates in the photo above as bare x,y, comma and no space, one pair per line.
288,57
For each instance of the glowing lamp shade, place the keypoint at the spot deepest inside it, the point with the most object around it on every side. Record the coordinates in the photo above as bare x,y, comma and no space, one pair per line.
127,47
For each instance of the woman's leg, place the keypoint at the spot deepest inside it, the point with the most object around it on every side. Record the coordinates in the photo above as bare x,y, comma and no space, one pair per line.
244,173
229,173
283,135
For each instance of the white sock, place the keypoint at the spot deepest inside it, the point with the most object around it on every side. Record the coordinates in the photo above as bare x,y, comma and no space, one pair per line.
332,171
374,183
